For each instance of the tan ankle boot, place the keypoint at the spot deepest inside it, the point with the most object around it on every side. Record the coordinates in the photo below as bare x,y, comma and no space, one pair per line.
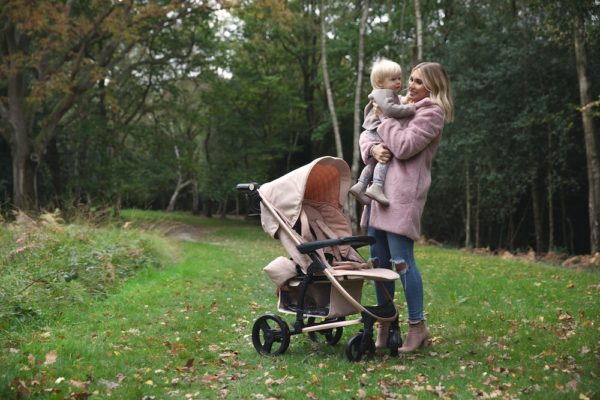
383,331
375,191
358,191
416,337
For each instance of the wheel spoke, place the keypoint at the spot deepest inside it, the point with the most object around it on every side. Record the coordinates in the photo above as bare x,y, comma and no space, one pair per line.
267,346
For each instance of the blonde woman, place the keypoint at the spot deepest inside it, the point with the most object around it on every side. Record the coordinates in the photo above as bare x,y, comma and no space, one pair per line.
410,146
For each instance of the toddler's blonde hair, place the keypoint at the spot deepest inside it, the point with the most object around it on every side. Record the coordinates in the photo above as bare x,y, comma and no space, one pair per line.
384,68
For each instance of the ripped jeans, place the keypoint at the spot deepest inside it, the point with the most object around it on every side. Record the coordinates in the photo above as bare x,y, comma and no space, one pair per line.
391,247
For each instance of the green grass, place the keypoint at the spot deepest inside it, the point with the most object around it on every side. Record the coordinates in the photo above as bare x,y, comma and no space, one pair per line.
500,329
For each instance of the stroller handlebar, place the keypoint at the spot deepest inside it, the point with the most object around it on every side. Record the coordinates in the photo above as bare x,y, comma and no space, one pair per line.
354,241
247,187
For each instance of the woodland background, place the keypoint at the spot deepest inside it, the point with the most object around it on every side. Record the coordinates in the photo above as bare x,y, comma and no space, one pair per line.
168,104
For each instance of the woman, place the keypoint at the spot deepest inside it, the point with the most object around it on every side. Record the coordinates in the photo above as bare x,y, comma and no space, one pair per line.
409,145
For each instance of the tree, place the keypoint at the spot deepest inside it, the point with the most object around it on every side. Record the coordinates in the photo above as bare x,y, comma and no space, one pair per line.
54,54
327,83
591,143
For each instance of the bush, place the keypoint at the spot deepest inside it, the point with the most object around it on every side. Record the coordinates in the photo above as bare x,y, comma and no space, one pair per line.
46,265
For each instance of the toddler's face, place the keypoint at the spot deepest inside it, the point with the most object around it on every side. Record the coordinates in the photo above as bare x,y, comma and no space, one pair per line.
392,82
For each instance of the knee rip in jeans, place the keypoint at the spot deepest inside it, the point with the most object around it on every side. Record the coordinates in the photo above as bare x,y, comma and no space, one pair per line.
401,266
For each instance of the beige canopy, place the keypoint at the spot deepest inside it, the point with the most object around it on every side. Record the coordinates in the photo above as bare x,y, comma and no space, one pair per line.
324,180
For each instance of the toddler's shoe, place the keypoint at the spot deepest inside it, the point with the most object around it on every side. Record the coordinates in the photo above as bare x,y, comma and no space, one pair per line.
358,191
375,191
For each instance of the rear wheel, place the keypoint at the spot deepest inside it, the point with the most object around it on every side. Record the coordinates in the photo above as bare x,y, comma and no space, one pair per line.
270,335
330,336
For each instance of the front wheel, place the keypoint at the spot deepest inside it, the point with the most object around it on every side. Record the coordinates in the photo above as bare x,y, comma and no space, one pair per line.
360,348
394,341
270,335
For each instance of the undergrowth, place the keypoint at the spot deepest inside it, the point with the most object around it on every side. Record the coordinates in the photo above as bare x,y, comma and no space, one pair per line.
47,265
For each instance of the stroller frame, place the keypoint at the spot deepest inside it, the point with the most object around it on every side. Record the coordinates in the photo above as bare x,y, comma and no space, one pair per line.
271,334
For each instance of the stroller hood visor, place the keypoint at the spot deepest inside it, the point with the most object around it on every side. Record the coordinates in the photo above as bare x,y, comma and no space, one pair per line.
324,180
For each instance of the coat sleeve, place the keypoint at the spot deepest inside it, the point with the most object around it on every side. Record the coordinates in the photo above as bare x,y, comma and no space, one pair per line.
390,105
407,140
365,143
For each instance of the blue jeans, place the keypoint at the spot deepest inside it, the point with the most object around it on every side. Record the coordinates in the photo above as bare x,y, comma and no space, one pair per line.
393,249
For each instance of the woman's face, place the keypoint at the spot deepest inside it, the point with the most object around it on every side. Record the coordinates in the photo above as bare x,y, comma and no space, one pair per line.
416,87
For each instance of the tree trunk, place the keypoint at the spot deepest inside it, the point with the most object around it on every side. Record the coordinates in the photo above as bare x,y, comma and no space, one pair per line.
356,159
23,164
24,178
195,199
327,82
564,223
419,26
468,243
551,245
591,146
537,215
180,185
477,215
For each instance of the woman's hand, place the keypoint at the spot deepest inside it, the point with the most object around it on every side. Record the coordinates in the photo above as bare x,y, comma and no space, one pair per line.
381,153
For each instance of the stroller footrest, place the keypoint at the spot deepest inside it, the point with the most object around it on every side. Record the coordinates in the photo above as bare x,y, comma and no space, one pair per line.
386,310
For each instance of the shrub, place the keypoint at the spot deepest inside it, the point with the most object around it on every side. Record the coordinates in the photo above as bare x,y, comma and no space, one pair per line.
46,265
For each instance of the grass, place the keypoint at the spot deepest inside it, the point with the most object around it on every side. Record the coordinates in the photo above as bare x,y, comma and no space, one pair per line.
500,329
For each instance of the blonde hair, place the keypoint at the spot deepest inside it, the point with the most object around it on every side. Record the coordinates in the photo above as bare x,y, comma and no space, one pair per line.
436,81
384,68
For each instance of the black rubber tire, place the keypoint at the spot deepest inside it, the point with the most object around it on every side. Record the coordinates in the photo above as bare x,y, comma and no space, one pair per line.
353,348
332,336
270,335
394,341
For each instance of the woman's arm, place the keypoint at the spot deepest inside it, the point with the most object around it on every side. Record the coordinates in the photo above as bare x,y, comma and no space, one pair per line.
406,141
365,144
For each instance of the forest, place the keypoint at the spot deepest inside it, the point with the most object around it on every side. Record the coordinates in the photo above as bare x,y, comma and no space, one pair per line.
168,104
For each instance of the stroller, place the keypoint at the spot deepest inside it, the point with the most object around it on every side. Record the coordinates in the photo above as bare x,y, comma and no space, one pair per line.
321,281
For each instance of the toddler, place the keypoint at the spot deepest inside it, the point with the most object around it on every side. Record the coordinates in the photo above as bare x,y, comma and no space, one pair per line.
386,80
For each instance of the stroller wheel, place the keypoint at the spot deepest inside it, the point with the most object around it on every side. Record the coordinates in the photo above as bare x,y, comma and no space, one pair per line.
332,336
360,347
394,341
270,335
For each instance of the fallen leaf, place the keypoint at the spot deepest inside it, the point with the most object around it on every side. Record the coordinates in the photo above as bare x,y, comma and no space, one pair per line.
51,358
109,385
79,384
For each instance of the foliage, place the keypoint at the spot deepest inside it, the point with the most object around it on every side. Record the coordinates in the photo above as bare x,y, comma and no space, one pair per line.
237,90
500,329
48,266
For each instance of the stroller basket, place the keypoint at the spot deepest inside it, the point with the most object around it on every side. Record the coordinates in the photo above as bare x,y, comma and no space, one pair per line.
320,299
321,280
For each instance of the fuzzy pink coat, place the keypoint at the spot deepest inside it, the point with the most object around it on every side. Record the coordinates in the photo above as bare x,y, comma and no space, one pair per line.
413,143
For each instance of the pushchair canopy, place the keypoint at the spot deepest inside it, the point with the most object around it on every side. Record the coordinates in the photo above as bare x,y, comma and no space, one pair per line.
324,180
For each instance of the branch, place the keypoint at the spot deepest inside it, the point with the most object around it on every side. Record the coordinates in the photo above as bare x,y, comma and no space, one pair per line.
589,106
